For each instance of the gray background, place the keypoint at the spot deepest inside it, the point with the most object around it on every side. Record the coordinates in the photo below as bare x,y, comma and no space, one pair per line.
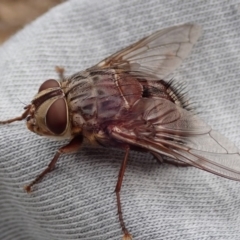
76,201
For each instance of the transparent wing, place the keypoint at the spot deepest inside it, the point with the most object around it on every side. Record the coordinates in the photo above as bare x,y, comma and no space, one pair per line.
160,126
158,54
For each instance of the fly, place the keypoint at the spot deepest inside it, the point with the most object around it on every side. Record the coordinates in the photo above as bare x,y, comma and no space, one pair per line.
124,102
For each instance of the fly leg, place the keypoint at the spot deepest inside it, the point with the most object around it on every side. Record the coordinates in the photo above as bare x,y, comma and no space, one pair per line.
127,235
160,160
72,146
60,72
177,164
158,157
20,118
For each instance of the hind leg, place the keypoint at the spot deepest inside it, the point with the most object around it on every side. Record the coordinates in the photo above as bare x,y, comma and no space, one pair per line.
161,160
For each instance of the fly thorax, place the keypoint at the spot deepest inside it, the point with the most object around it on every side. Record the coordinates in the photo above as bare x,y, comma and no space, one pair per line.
101,95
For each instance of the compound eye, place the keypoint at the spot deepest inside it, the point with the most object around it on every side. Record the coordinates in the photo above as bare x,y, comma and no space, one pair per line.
56,118
50,83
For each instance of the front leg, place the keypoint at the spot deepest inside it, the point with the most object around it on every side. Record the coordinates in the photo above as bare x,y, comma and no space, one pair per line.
72,146
60,71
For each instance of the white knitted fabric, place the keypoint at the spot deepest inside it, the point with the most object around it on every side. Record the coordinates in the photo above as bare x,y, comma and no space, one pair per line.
77,200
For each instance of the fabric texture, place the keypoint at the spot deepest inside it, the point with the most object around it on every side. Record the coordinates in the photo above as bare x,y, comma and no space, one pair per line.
77,200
